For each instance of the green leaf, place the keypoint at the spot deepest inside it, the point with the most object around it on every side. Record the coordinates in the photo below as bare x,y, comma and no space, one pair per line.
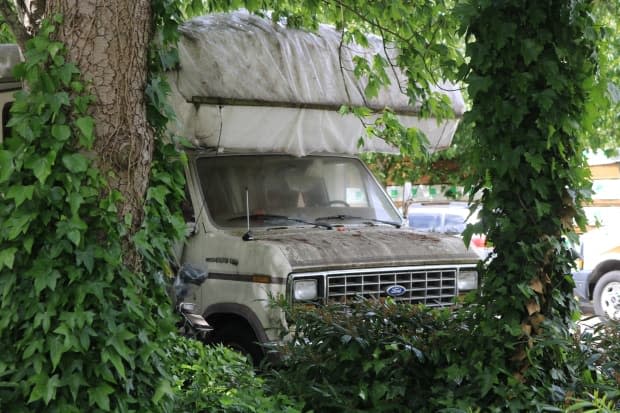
20,193
28,242
530,50
7,257
61,132
17,224
75,163
158,193
66,73
6,165
57,349
99,395
46,280
115,360
45,388
75,381
75,201
86,126
163,389
86,258
41,166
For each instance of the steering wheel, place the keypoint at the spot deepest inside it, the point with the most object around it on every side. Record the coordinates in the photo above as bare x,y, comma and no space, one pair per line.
338,202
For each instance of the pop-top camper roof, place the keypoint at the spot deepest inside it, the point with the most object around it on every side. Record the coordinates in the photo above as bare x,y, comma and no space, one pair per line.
245,82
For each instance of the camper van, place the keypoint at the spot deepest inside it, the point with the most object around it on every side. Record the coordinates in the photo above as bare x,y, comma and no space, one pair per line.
278,203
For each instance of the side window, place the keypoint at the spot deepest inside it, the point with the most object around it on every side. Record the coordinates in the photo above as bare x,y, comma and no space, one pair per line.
6,115
455,224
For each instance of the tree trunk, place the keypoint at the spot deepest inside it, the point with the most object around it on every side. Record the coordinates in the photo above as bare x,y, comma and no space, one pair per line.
108,40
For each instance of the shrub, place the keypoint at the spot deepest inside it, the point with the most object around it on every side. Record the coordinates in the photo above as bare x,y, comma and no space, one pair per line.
386,357
371,356
215,379
600,353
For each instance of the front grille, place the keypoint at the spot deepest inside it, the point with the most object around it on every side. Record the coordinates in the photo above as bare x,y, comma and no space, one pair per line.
432,287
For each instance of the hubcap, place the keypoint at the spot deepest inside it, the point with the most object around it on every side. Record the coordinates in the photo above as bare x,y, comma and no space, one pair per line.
610,300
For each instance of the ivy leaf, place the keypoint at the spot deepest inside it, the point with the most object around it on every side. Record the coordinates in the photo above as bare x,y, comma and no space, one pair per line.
99,396
61,132
17,224
20,193
7,257
41,167
57,348
530,50
86,126
75,163
116,362
45,280
45,388
6,165
66,73
163,389
158,193
28,242
87,258
75,200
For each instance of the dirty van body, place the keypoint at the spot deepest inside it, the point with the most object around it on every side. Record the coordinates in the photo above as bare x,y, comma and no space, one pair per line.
281,205
321,230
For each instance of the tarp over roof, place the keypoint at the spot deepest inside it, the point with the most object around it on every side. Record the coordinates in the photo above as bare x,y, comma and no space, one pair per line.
245,82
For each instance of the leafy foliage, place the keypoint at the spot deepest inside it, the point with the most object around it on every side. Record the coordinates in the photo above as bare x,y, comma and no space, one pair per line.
163,222
5,33
215,379
530,76
374,357
605,133
79,331
601,346
388,357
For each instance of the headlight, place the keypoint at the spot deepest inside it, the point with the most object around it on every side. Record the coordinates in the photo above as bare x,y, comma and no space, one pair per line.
468,280
304,290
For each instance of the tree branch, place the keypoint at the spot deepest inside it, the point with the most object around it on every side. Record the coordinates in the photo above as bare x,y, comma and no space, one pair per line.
12,20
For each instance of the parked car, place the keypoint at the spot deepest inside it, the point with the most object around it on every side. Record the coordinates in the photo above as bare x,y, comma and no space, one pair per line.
447,218
597,279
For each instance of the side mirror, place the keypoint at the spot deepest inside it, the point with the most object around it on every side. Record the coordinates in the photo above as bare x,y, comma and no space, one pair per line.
192,275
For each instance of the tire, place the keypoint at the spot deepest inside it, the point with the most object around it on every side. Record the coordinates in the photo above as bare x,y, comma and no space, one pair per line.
606,296
239,339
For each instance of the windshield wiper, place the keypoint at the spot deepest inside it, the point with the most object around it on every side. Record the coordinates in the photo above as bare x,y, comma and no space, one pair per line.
279,217
365,220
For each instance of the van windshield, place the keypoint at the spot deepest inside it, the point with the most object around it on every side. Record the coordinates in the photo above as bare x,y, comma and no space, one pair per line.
284,190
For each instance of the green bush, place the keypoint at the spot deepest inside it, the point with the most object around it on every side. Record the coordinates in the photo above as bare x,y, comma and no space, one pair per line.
388,357
600,352
215,379
370,356
604,342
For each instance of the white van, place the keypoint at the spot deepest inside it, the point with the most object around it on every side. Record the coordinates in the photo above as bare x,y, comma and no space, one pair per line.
281,204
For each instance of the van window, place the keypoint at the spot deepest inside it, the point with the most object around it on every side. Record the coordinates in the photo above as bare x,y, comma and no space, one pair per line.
266,186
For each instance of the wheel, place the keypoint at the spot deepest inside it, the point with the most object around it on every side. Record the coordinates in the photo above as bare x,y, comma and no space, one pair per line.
606,296
239,339
338,202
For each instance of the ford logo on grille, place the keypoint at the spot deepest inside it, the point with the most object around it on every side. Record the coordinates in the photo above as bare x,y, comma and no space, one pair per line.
395,290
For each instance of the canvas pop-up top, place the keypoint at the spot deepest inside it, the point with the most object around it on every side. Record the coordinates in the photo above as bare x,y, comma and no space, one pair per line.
278,202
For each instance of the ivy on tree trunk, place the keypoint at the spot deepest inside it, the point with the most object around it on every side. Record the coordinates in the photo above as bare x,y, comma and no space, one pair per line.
530,73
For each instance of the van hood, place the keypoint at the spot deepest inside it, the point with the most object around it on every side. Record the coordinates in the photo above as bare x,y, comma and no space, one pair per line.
345,247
